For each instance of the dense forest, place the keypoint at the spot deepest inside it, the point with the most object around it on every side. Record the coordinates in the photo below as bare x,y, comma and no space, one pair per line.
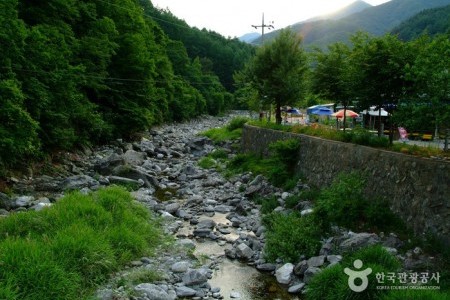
82,72
78,73
430,21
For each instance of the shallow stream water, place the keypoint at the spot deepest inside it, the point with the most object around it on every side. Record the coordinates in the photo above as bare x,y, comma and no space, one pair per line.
236,276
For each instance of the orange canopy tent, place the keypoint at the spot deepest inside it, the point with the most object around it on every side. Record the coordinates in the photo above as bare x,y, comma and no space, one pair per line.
348,113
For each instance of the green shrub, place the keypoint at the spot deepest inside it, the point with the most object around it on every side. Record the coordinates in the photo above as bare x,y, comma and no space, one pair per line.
332,283
416,295
237,123
268,204
345,204
81,250
290,236
63,251
218,154
222,134
29,266
304,195
207,163
286,152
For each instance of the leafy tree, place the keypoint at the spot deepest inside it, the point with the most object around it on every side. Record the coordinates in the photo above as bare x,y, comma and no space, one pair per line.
18,131
278,70
378,70
430,74
331,77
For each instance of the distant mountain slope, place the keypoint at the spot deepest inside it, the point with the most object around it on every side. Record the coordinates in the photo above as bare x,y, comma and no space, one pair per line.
348,10
375,20
430,21
249,37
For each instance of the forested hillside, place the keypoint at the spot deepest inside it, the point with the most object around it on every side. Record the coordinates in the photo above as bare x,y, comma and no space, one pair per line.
81,72
218,55
430,21
376,20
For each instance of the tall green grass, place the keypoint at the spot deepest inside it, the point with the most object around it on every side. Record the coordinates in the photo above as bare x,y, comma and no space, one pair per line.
64,251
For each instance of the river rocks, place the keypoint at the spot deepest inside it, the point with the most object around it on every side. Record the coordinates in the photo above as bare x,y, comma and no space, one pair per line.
162,170
134,158
284,273
23,201
358,241
184,291
5,201
152,291
243,251
195,277
77,182
295,289
316,261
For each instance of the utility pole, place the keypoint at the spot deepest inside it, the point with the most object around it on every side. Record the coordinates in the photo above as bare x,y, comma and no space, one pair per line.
263,25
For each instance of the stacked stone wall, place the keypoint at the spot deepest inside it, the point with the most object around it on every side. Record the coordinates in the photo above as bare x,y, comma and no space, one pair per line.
418,189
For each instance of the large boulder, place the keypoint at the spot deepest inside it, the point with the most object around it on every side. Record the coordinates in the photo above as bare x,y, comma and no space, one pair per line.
78,182
195,277
152,291
284,273
358,241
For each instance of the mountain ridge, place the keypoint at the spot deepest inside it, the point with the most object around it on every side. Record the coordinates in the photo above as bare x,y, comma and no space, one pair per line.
376,20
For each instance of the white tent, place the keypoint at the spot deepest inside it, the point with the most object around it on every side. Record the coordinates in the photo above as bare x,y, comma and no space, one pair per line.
373,112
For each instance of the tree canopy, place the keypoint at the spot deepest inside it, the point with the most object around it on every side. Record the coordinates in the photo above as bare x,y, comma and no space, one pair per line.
82,72
277,71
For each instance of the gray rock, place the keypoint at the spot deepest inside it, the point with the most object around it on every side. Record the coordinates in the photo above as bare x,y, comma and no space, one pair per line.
184,291
194,277
185,243
40,206
300,268
106,165
310,273
180,267
267,267
202,232
244,251
358,241
284,273
206,223
333,259
123,180
77,182
316,261
23,201
172,207
295,289
222,208
252,190
152,291
5,201
306,212
134,158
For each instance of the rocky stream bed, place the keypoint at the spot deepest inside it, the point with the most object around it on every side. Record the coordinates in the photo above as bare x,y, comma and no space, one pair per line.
218,253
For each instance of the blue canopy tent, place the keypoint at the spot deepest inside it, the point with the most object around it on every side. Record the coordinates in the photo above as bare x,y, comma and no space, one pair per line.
320,111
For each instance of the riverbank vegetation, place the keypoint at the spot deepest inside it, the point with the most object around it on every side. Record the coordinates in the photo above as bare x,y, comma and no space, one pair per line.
359,136
103,70
65,251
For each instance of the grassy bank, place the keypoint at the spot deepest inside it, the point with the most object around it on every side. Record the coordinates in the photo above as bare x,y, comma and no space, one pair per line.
65,251
358,136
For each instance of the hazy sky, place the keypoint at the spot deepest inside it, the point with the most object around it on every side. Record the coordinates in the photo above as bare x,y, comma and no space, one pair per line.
234,17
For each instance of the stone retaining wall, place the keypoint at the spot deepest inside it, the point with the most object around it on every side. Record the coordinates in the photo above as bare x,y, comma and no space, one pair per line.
418,189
